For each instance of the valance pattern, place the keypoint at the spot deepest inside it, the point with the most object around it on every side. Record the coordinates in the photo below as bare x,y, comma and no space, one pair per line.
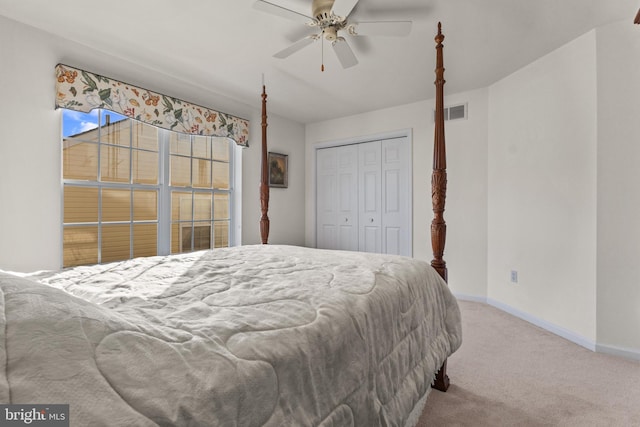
83,91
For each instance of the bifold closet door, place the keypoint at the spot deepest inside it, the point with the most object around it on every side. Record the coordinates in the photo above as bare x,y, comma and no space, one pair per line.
396,197
337,200
363,199
370,196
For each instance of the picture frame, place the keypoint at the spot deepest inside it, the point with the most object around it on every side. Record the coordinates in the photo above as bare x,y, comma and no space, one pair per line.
278,170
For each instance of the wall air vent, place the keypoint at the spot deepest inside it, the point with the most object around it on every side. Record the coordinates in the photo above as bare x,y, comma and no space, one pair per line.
454,112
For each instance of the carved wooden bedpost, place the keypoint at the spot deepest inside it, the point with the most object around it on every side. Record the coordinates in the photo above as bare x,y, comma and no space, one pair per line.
439,189
264,179
439,175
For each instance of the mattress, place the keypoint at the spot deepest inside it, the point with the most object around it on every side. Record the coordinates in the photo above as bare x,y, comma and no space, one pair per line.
245,336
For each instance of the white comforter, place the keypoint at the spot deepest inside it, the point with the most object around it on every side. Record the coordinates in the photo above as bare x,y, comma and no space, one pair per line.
247,336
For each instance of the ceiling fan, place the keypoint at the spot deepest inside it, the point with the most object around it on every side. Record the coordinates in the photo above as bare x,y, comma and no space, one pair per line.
330,17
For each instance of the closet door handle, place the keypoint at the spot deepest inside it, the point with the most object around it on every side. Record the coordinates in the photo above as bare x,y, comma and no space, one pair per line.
370,219
346,220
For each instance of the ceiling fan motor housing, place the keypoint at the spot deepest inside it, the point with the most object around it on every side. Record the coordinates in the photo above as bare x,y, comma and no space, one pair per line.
326,20
321,9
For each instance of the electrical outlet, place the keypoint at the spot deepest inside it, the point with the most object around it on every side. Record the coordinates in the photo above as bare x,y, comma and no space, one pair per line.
514,276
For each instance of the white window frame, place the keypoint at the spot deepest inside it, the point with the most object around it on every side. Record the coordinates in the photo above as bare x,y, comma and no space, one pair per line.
164,196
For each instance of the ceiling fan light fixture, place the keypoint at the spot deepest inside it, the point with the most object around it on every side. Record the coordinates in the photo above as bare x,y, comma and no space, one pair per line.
330,33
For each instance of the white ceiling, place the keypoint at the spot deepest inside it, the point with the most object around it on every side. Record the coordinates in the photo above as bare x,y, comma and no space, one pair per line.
226,45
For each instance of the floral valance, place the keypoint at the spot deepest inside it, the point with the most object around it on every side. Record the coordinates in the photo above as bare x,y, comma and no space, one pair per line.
83,91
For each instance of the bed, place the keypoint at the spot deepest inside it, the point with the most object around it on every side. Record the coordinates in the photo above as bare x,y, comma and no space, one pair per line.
251,335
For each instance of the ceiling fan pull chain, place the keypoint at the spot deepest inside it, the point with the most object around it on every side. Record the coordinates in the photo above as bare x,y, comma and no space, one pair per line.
322,54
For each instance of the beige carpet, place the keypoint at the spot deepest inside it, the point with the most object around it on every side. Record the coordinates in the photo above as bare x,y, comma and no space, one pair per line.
511,373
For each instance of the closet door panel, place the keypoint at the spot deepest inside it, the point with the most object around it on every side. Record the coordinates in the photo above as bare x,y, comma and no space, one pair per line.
392,240
326,209
392,191
369,196
347,197
396,215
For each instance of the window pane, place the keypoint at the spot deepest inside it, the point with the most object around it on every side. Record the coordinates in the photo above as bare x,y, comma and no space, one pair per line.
221,206
220,148
220,175
113,116
116,240
81,125
80,246
145,240
116,205
180,171
116,129
145,167
201,236
80,204
181,206
177,237
180,143
114,164
91,135
221,234
145,205
201,173
186,237
144,136
202,147
202,205
80,160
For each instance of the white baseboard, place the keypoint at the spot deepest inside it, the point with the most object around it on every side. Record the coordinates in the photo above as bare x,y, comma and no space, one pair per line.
555,329
473,298
618,351
628,353
548,326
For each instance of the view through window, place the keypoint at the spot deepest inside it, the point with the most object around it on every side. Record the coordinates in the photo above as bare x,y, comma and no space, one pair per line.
131,189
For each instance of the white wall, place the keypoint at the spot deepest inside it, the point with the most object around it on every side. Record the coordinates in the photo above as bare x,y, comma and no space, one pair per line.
286,205
618,50
30,153
466,209
30,190
542,188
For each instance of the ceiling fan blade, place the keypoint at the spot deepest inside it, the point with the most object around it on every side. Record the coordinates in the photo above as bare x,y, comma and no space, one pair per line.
274,9
343,7
296,46
380,28
344,53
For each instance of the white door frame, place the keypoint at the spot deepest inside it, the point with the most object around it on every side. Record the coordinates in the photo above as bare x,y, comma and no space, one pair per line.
401,133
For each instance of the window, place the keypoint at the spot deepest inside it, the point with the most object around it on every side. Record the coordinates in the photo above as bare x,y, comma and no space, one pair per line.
131,189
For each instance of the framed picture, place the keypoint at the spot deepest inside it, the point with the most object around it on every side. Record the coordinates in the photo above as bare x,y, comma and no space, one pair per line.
278,170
